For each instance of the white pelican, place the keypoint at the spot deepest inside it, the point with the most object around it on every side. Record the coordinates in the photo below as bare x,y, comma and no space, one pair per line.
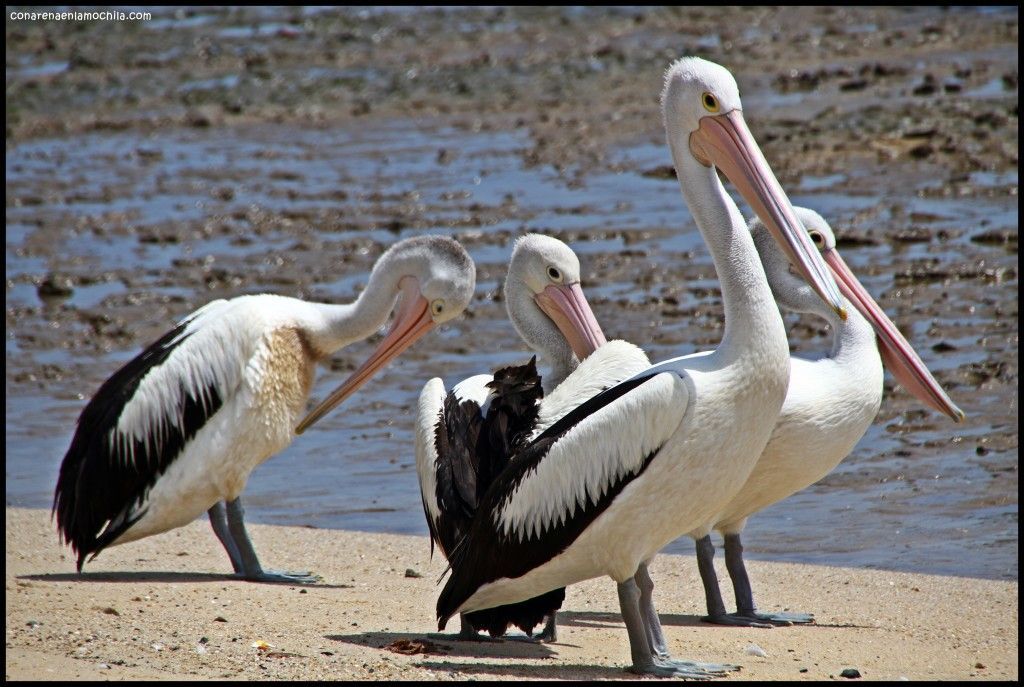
465,437
177,430
605,487
831,402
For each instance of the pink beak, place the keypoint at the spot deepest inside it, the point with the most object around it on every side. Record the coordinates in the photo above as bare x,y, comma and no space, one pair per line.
897,353
412,322
567,307
725,141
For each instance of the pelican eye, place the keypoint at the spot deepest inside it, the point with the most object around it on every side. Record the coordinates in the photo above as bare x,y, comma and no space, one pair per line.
437,307
818,238
709,102
554,274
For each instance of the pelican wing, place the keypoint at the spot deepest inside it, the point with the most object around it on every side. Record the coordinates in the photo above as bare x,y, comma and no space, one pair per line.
610,364
139,421
562,481
511,415
464,439
446,435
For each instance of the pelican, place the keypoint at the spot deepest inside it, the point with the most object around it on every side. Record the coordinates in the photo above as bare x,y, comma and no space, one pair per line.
464,437
178,429
831,402
606,486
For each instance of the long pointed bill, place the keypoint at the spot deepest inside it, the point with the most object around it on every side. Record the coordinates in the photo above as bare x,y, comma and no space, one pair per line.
725,141
569,310
412,322
897,353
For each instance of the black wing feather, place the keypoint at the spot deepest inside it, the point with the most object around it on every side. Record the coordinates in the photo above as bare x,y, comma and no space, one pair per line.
457,463
478,449
101,478
488,553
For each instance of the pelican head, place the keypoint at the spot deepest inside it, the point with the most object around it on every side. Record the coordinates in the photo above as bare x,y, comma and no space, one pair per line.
793,293
791,290
543,288
433,278
704,121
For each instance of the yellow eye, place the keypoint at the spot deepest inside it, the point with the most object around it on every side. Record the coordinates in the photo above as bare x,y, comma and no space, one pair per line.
437,307
818,238
554,274
709,102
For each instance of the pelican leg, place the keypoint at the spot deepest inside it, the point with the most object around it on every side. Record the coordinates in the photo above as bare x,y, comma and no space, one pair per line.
712,594
251,569
550,632
652,623
219,521
745,608
469,633
644,661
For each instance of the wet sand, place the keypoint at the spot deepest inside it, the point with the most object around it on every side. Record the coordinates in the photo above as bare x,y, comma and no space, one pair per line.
162,608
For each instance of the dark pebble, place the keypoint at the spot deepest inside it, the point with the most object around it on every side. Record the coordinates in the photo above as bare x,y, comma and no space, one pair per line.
855,85
851,673
922,151
409,572
662,172
927,87
55,286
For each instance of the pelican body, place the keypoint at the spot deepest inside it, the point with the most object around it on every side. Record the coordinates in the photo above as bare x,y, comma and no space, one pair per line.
177,430
466,436
610,483
829,406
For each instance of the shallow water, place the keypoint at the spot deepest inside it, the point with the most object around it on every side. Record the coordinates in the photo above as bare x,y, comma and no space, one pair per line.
129,217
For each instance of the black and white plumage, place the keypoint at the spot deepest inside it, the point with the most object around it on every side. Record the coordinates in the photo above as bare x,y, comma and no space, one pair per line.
830,403
177,430
473,448
605,487
466,436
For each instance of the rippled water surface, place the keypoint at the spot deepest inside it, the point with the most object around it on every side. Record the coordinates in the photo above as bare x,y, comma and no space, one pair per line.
147,227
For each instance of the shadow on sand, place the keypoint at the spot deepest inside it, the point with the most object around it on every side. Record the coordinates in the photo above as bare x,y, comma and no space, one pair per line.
444,646
160,576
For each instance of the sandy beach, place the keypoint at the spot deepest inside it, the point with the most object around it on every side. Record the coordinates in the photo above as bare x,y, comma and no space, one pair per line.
164,609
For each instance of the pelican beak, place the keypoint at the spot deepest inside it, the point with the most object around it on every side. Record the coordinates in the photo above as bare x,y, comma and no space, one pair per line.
725,142
412,321
567,307
897,353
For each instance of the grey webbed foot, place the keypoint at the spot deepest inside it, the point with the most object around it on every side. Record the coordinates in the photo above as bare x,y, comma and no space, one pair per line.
715,668
777,619
734,620
469,633
687,670
550,632
281,577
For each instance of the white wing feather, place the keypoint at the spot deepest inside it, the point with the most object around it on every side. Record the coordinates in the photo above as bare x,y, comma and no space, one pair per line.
610,364
594,454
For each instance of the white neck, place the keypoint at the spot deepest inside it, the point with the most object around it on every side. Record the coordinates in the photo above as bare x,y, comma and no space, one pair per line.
345,324
539,333
853,339
753,326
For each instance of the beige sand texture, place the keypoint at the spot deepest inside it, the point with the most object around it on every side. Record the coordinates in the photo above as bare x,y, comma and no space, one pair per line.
164,608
